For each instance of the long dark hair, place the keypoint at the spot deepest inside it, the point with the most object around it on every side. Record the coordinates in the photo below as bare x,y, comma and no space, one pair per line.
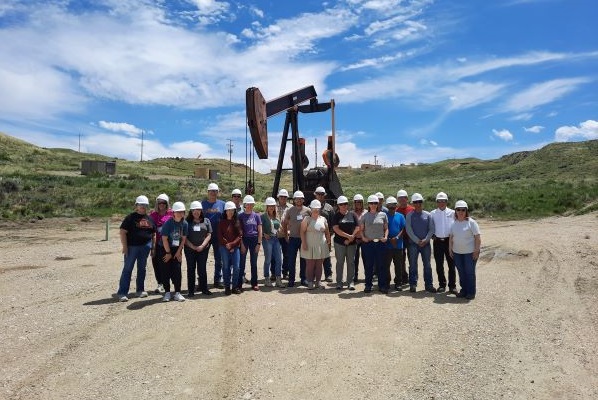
190,218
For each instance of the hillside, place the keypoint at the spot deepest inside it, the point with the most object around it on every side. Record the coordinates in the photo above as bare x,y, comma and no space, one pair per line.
560,178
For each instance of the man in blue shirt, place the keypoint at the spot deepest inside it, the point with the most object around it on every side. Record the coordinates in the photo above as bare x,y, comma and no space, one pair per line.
213,209
420,228
394,245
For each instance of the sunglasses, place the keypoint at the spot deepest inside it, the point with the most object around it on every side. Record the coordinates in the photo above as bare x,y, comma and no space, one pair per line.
418,202
460,209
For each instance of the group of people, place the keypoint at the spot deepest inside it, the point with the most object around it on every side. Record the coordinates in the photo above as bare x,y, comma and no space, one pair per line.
381,233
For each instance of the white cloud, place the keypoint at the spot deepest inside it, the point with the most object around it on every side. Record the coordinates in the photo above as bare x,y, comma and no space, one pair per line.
542,93
426,142
503,134
587,130
123,127
534,129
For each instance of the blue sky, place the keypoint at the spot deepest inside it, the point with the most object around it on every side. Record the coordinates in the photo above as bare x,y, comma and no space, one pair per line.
413,81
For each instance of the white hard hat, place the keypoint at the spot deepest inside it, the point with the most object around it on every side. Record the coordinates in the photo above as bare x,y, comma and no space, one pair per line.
417,197
178,206
236,191
195,205
320,190
315,204
373,199
391,200
461,204
402,193
380,195
142,200
270,201
163,197
213,186
283,192
441,196
229,205
298,195
358,197
248,199
342,200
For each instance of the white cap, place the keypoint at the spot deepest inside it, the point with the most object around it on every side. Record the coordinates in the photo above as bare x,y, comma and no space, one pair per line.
248,199
461,204
298,195
342,200
213,186
178,206
358,197
417,197
380,195
315,204
391,200
142,200
441,196
236,191
283,192
320,190
373,199
195,205
270,201
402,193
163,197
229,205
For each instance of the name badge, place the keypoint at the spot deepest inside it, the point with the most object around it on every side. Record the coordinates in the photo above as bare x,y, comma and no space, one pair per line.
196,228
299,217
175,242
159,229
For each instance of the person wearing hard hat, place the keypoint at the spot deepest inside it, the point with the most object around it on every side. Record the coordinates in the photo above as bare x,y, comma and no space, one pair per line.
281,207
443,217
315,244
196,248
420,228
359,211
251,224
235,197
345,225
394,245
404,208
465,244
291,226
137,237
272,250
229,238
327,211
213,209
174,236
381,206
374,232
160,215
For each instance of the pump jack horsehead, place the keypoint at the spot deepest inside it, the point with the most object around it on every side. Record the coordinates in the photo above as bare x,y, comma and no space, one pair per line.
259,110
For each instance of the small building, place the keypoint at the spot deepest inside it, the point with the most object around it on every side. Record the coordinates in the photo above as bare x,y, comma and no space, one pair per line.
98,167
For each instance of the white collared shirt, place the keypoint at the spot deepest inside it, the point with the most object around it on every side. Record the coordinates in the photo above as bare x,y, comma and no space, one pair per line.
443,220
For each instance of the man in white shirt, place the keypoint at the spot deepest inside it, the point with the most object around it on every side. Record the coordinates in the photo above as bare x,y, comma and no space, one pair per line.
444,218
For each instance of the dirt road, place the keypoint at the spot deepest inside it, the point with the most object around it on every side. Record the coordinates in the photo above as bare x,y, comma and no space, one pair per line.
531,333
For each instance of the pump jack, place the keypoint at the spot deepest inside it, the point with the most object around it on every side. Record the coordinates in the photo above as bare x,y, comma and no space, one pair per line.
258,111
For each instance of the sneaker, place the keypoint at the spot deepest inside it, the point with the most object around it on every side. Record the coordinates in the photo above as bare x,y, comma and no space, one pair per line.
441,289
142,294
166,297
255,288
339,287
351,286
367,290
236,291
318,285
412,288
179,297
160,289
431,289
206,292
268,282
279,282
310,285
453,290
398,287
303,282
329,278
123,298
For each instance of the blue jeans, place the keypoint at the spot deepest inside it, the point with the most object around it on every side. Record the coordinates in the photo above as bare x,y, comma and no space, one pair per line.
272,255
293,249
217,257
284,247
373,260
231,260
134,254
413,253
465,265
250,243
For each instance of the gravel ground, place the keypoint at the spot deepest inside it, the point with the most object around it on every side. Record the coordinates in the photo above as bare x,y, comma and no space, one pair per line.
529,334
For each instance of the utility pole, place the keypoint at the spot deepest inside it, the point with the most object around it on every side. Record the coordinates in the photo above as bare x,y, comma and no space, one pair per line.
79,142
141,146
229,146
375,159
316,153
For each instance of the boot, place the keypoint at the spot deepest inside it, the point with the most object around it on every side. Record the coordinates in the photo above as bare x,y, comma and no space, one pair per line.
278,282
267,282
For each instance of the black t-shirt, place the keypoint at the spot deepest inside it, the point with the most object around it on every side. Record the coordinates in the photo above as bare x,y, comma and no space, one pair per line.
347,223
139,227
